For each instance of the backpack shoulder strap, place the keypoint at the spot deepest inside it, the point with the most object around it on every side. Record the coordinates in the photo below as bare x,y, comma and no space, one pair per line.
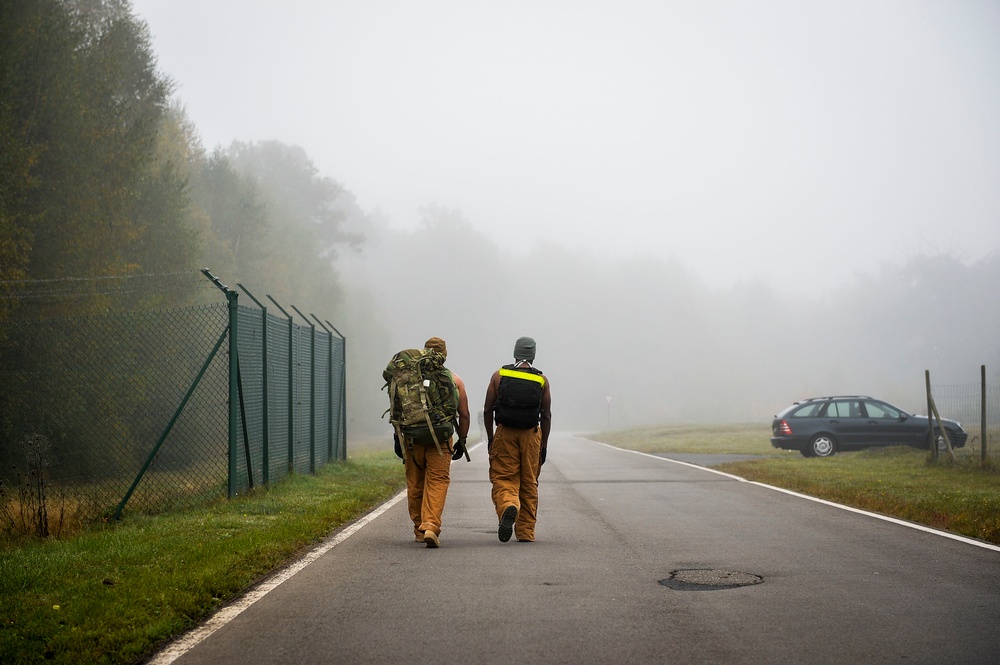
427,417
521,374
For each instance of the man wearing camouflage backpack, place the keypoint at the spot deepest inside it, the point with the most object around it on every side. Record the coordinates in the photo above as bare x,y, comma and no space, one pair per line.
428,461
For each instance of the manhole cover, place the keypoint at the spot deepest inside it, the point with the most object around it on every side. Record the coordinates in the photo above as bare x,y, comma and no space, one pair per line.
703,579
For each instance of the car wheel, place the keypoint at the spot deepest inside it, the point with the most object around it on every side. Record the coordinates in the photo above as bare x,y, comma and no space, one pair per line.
822,445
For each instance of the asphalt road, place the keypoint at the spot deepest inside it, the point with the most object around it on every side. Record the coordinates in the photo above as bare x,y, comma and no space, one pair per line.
835,586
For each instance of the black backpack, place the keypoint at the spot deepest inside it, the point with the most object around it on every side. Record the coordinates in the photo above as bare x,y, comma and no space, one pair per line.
519,397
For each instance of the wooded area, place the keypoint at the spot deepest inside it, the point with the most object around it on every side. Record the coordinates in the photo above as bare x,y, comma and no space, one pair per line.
103,177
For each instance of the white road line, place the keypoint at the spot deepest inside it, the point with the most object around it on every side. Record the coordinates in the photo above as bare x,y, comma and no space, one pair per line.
884,518
189,640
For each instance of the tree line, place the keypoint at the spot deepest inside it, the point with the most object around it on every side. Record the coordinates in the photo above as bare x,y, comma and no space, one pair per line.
104,178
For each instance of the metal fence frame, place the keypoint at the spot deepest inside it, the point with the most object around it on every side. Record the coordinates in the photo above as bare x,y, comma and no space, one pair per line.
273,388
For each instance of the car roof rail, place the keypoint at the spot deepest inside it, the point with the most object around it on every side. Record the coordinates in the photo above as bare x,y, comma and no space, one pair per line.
829,397
841,397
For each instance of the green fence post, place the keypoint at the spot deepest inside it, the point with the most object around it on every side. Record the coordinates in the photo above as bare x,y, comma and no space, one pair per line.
343,394
930,416
982,412
232,298
234,402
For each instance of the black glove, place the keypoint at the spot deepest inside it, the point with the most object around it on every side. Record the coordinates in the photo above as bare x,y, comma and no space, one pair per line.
459,451
396,447
541,455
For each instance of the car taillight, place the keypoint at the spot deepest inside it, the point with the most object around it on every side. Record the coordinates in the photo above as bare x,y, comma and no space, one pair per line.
784,428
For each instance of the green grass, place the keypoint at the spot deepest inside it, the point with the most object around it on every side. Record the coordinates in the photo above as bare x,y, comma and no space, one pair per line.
115,592
897,481
963,497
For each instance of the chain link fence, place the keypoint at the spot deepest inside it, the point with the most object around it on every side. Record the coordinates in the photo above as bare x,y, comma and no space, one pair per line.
966,403
153,411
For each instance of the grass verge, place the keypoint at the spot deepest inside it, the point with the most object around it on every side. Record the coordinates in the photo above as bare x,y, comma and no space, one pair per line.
899,481
116,592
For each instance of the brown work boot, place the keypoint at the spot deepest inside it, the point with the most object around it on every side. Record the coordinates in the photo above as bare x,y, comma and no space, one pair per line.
507,520
431,539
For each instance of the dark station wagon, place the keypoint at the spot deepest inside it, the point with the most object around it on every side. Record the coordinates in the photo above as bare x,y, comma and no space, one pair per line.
822,426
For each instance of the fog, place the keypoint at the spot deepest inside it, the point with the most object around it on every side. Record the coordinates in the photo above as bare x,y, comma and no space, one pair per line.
721,133
644,341
700,210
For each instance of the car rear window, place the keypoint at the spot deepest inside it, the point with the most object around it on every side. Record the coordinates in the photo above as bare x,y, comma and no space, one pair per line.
810,410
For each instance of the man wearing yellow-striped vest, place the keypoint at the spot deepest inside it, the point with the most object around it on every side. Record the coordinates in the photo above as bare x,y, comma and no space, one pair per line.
519,400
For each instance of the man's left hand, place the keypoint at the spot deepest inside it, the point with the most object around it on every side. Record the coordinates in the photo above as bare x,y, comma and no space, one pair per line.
459,450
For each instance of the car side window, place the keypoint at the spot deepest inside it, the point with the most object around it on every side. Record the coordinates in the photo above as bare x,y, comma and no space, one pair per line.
878,410
844,409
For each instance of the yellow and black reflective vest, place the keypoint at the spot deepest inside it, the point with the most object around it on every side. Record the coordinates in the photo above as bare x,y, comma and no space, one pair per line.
519,397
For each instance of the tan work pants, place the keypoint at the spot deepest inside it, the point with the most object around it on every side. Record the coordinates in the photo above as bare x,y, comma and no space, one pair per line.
514,474
428,474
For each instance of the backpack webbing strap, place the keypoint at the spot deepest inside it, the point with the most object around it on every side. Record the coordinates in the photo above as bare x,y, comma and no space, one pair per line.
402,441
427,417
395,425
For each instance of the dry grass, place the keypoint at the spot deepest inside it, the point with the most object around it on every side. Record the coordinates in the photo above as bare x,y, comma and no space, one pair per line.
39,509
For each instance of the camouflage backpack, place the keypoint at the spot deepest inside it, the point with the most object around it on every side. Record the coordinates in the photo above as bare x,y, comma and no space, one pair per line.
423,398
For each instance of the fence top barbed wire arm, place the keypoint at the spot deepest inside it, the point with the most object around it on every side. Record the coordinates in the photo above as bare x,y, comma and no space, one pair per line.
304,317
251,296
215,280
321,324
339,334
288,316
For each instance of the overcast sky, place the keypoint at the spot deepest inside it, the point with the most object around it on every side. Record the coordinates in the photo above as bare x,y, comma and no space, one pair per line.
795,141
